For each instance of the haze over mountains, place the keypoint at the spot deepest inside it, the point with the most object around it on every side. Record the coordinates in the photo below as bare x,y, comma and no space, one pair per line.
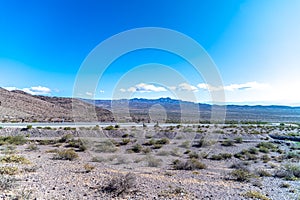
18,106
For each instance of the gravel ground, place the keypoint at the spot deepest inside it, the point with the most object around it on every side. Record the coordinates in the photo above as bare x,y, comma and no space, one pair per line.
48,178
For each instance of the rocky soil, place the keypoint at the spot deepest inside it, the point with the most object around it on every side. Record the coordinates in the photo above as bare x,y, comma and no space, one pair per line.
138,163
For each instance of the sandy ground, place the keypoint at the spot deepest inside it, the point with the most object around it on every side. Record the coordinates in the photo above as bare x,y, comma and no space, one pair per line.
151,173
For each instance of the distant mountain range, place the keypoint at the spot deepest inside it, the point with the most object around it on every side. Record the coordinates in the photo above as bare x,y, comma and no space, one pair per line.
172,111
18,106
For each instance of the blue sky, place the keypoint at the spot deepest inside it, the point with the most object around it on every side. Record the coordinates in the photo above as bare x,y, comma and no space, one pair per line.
254,44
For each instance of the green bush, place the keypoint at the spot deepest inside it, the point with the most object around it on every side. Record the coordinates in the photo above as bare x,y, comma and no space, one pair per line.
255,195
241,175
66,138
29,127
8,170
15,159
32,147
15,140
193,155
227,143
109,128
66,154
105,147
221,156
185,144
267,145
289,172
137,148
238,140
191,164
263,173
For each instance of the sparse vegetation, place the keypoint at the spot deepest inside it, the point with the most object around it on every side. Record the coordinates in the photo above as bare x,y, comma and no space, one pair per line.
288,172
255,195
88,168
106,146
120,184
241,175
191,164
66,154
14,140
227,143
15,159
221,156
152,161
8,170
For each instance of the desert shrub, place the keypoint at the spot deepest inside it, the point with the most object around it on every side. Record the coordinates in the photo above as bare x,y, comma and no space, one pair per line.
163,153
7,182
157,146
29,127
9,149
33,168
69,128
185,144
146,150
162,141
15,159
77,144
152,161
253,150
267,145
203,143
265,158
66,154
14,140
240,165
263,173
106,146
194,155
32,147
124,141
238,140
288,172
284,185
241,175
109,128
255,195
47,142
191,164
137,148
8,170
227,143
120,184
264,149
246,155
292,155
66,138
88,168
187,151
221,156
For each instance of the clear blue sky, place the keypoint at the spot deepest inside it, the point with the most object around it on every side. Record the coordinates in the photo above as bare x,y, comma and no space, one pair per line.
255,45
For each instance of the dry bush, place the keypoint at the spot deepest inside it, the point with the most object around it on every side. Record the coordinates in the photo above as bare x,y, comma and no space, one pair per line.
120,184
66,154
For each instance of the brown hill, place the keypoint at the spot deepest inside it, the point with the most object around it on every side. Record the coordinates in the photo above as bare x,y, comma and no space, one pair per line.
18,106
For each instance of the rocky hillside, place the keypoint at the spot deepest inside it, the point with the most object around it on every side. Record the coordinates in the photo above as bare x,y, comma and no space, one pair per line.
18,106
